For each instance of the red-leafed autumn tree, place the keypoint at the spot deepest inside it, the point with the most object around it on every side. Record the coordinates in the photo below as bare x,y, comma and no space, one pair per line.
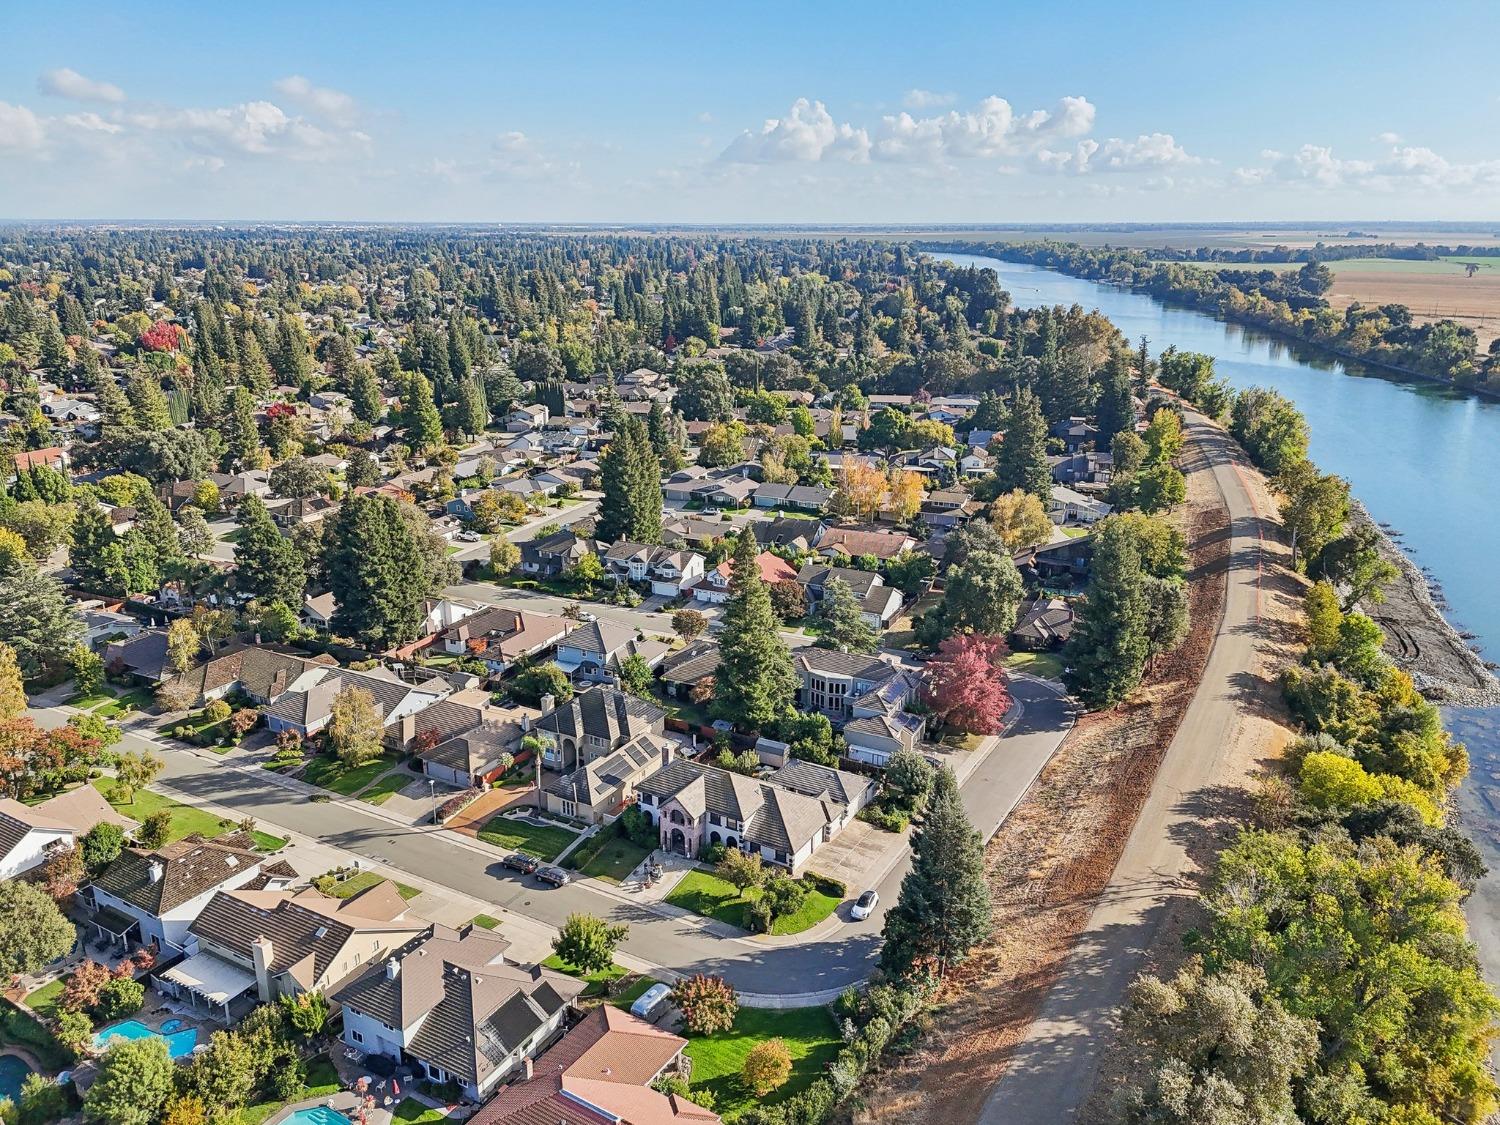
162,337
967,687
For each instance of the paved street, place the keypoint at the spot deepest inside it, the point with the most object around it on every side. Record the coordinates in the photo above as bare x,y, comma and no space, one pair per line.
1054,1069
823,965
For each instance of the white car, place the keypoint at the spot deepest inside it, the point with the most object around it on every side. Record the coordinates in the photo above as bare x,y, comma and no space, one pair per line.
864,906
467,537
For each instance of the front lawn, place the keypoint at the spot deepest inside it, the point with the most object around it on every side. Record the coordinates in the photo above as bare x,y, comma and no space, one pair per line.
139,699
705,893
596,981
186,820
1047,665
382,790
607,856
486,922
632,993
363,881
413,1112
810,1034
331,774
265,842
545,841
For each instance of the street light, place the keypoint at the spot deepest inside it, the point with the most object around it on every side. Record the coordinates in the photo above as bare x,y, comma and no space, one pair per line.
432,796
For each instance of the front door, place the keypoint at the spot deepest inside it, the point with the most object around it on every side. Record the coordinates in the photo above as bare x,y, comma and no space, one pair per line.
679,842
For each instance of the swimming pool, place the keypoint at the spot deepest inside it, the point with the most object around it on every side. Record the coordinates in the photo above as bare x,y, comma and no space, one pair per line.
316,1115
13,1071
179,1043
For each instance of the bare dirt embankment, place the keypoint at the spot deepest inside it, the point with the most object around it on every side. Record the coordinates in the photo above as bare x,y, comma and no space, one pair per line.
1057,851
1417,635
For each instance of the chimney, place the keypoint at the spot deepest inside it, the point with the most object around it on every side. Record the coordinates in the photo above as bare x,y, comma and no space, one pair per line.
408,729
155,870
392,969
262,952
666,754
528,1067
548,702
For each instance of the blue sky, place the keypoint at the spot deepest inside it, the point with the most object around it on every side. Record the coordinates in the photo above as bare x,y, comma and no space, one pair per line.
772,112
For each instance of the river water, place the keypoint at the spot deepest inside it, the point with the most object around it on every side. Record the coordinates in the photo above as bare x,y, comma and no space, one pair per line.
1422,457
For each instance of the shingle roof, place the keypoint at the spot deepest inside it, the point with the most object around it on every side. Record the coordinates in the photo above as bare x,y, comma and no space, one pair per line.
772,814
603,712
834,662
691,664
600,779
189,868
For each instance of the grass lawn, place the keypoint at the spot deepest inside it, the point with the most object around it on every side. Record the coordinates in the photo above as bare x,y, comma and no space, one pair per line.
632,993
331,774
380,792
595,981
1075,532
486,922
265,842
705,893
607,856
44,1000
1048,665
541,840
413,1112
140,699
186,820
811,1037
364,881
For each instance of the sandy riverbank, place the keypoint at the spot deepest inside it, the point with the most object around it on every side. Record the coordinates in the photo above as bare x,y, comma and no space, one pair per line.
1419,638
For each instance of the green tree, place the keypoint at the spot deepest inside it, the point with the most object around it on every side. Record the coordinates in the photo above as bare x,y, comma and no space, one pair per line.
33,931
704,393
741,870
1164,437
982,594
424,425
636,676
307,1013
843,620
1021,461
101,846
755,679
1115,411
134,1080
12,689
1314,508
944,907
376,572
241,433
36,622
1106,654
630,478
365,398
355,727
588,943
223,1074
267,565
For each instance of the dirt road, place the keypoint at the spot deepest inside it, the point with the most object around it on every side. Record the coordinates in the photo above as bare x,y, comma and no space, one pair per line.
1053,1071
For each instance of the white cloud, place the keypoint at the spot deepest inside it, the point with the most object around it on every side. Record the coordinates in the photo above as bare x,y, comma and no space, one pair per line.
1148,151
807,133
927,99
1404,168
258,128
1388,138
20,129
65,82
91,122
705,118
325,102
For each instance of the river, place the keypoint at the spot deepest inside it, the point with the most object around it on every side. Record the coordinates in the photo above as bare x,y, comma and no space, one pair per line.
1418,454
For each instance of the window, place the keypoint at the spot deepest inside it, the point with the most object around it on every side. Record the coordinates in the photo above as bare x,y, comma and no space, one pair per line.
356,1036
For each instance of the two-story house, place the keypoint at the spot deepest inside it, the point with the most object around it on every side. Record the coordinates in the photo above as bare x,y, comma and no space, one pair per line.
594,651
151,896
449,1005
879,604
832,681
668,570
552,554
29,834
268,943
713,587
307,707
1067,505
501,636
594,723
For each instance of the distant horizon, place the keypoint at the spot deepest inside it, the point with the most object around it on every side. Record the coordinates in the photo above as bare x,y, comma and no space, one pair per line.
1457,225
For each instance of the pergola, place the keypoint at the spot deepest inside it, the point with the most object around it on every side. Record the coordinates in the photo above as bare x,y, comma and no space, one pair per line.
211,979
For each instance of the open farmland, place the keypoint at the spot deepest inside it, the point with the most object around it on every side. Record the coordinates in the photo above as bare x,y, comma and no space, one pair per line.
1432,290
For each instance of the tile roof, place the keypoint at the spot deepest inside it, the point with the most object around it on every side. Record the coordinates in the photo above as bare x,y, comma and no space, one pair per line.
772,814
188,869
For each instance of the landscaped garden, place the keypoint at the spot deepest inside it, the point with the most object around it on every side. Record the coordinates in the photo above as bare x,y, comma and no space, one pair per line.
545,841
322,1081
113,701
329,773
340,885
608,856
811,1037
705,893
387,786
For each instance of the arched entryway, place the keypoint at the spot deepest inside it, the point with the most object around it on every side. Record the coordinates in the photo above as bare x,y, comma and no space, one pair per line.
714,838
678,841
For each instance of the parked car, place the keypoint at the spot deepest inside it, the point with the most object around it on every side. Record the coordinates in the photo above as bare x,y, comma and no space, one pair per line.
468,537
554,875
864,905
648,1000
520,861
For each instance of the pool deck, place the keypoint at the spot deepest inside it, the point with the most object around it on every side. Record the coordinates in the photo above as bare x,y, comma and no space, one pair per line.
345,1102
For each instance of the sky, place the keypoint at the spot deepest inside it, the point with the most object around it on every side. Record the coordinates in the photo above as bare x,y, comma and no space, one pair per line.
811,112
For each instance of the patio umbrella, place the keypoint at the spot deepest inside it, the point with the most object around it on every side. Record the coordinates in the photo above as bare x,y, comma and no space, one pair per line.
395,1088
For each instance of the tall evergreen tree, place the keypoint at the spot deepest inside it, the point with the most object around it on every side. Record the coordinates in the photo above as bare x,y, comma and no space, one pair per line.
36,619
424,426
143,389
944,907
292,359
1116,410
472,413
241,434
1021,461
365,398
91,536
1107,652
376,572
630,478
255,368
267,565
843,620
755,681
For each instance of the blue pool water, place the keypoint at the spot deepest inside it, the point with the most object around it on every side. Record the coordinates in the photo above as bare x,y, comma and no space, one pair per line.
316,1115
179,1043
13,1071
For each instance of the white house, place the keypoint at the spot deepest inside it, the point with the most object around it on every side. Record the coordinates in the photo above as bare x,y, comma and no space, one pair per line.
1066,505
27,836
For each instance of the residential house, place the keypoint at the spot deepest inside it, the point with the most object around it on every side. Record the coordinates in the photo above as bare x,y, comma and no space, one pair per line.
852,542
976,462
668,570
269,943
526,418
880,721
1068,560
1065,505
713,588
501,636
879,604
449,1005
594,651
307,706
833,681
318,610
1075,433
595,723
552,554
799,497
28,836
601,787
262,672
688,667
1083,468
600,1073
142,657
730,492
695,532
151,896
300,511
1046,623
788,533
695,805
475,755
234,487
102,627
53,457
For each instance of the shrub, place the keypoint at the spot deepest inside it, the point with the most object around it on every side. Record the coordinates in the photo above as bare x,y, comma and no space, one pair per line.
767,1067
708,1004
42,1100
122,996
635,825
891,820
217,711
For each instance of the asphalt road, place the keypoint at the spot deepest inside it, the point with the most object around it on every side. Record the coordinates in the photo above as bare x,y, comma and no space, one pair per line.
1053,1072
826,964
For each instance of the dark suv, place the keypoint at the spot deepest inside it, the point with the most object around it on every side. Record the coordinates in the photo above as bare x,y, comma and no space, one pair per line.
554,875
520,861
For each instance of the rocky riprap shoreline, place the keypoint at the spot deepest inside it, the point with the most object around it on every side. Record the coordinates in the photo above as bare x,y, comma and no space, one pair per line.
1419,638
